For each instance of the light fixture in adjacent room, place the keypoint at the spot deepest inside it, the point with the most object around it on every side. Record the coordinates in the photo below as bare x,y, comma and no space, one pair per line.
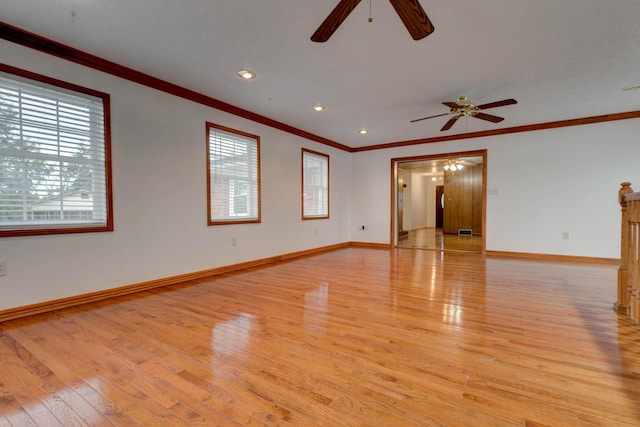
246,74
363,131
318,107
453,166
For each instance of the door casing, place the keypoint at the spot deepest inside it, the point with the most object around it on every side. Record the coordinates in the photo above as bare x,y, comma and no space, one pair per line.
394,185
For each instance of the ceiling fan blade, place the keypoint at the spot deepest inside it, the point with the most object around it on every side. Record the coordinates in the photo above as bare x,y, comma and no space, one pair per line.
497,104
488,117
333,21
413,17
450,123
430,117
452,105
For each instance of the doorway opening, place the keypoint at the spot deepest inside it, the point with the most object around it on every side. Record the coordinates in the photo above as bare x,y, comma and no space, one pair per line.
438,201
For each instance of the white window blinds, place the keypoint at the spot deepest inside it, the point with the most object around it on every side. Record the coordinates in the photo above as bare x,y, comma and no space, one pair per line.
315,185
234,176
53,173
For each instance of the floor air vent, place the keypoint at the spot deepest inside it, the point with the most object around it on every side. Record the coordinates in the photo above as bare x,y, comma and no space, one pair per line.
465,232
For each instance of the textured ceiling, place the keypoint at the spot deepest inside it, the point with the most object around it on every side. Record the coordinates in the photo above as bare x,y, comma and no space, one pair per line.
561,60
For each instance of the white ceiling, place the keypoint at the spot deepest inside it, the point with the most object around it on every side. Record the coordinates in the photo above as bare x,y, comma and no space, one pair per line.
560,59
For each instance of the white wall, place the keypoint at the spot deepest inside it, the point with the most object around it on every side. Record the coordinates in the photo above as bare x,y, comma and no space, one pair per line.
417,193
159,189
547,182
419,197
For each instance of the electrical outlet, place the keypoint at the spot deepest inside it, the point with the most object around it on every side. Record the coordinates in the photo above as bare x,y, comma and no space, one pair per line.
3,268
234,241
565,235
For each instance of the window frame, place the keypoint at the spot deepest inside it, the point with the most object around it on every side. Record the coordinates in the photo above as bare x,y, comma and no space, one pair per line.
306,151
69,228
253,219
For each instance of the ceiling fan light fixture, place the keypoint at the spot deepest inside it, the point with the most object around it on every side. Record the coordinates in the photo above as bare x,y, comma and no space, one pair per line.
246,74
453,165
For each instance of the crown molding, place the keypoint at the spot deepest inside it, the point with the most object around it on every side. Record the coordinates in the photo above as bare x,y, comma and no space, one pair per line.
51,47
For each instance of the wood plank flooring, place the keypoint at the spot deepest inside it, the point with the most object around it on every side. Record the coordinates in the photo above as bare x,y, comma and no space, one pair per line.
353,337
434,238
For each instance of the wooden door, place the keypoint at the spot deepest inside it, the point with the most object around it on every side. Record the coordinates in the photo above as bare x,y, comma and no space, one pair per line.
439,207
463,200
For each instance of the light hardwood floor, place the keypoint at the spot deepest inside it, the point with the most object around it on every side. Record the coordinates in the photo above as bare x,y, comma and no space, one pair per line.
353,337
434,238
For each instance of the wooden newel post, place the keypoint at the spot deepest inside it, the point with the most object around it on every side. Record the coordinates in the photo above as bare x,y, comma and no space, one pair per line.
622,304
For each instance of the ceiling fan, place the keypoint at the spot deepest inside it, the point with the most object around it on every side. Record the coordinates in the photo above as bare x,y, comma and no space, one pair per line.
411,13
464,107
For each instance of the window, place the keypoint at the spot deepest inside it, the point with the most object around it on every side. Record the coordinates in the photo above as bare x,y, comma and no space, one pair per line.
54,156
233,176
315,185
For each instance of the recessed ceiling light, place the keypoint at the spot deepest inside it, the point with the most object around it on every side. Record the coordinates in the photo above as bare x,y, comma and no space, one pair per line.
631,87
246,74
318,107
363,131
